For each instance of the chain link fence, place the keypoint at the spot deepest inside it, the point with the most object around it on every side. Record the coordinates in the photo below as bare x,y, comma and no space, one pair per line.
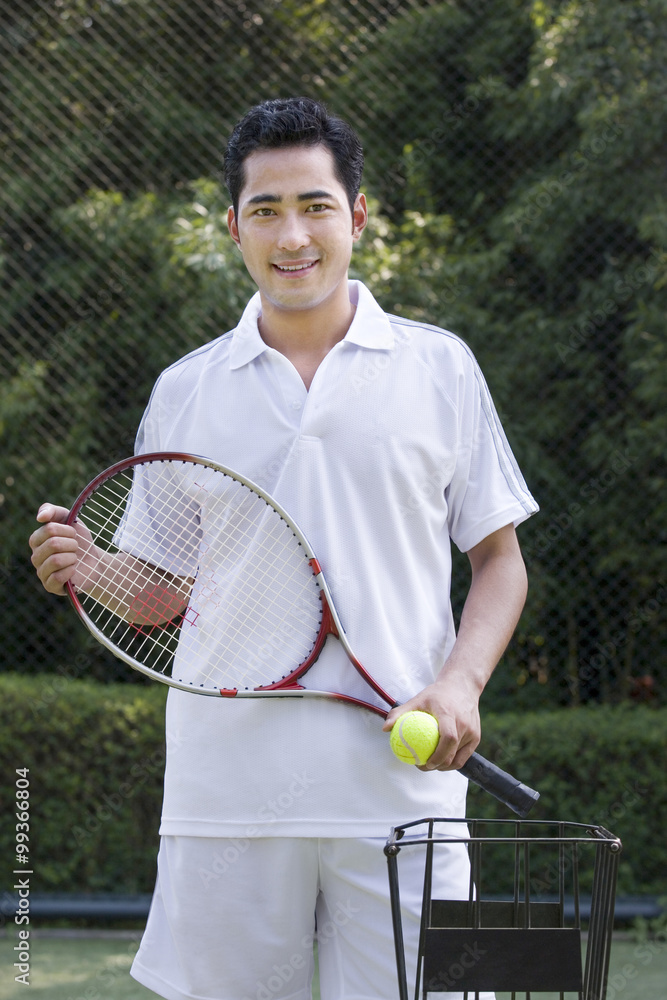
515,165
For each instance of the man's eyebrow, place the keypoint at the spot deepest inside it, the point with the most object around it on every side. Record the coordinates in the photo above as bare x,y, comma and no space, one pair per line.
310,195
263,198
274,199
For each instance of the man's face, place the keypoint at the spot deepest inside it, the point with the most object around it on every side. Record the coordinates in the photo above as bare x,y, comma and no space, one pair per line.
294,226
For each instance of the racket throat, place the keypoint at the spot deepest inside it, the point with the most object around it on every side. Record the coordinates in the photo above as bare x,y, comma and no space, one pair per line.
328,626
279,686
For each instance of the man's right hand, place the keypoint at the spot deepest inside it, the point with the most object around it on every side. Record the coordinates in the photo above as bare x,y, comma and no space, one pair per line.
128,586
55,546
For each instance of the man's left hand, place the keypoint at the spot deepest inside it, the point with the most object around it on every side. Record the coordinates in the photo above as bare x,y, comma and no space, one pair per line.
457,714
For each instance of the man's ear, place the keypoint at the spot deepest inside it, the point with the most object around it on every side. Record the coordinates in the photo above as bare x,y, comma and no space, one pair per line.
359,216
233,227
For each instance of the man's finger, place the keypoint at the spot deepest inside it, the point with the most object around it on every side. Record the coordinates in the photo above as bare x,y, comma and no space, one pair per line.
50,512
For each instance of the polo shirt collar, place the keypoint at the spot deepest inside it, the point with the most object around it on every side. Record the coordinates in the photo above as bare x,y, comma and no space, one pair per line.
247,343
370,327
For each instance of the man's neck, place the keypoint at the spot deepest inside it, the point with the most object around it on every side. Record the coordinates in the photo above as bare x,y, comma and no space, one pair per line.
306,336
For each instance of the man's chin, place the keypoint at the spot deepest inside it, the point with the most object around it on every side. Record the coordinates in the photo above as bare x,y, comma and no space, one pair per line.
299,300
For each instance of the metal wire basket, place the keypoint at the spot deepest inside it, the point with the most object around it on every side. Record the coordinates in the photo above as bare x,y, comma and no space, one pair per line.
538,917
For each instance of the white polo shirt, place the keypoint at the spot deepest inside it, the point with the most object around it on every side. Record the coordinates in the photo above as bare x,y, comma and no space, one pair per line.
395,448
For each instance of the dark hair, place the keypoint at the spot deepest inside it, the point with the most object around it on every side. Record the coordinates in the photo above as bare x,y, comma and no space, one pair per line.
294,121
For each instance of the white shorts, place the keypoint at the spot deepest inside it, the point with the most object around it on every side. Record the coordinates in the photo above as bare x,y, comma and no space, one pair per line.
236,919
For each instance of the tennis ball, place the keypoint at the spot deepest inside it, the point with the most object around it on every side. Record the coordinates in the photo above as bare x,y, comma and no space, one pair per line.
414,737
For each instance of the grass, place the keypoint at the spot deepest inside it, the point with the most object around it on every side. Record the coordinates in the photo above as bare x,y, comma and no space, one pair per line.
83,968
74,968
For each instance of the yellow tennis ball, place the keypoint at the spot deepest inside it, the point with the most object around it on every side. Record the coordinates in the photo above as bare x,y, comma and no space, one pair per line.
414,737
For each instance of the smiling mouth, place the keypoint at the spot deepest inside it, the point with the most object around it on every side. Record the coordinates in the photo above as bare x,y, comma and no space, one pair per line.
295,269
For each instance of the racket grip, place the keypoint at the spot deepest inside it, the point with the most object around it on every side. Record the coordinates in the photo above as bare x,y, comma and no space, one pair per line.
519,797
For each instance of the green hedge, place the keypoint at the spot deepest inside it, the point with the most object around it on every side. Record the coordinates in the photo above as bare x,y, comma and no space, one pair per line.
96,758
602,765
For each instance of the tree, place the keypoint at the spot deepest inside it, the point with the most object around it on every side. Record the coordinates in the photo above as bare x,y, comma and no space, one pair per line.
549,258
514,150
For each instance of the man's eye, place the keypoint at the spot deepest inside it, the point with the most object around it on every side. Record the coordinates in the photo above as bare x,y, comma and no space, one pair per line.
264,212
317,208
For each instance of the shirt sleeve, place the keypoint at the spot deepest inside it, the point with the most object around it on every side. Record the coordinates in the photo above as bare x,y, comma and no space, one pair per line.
487,490
148,437
161,524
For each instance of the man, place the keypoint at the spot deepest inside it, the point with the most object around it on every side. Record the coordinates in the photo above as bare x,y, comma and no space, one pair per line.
379,437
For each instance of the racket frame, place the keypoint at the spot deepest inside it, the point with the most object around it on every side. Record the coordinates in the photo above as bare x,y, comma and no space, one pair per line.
286,687
519,797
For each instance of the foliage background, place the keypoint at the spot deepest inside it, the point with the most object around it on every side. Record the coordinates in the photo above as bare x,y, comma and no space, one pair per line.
515,157
96,756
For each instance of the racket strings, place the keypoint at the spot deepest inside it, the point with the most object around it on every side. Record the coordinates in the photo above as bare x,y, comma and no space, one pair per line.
104,511
177,530
155,645
274,605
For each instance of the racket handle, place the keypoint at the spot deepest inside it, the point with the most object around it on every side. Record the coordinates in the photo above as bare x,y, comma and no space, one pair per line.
519,797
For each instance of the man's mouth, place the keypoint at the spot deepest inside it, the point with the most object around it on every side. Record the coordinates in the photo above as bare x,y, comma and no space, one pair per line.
297,267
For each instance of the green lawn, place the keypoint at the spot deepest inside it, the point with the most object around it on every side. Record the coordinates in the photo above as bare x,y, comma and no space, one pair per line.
64,968
98,969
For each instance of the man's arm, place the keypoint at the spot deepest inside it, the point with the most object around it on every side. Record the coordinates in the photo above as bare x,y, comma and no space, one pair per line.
131,588
494,603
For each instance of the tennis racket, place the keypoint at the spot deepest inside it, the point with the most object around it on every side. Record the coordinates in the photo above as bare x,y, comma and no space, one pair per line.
197,578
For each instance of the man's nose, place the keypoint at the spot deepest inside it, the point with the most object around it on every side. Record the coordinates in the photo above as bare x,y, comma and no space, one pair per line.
293,233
